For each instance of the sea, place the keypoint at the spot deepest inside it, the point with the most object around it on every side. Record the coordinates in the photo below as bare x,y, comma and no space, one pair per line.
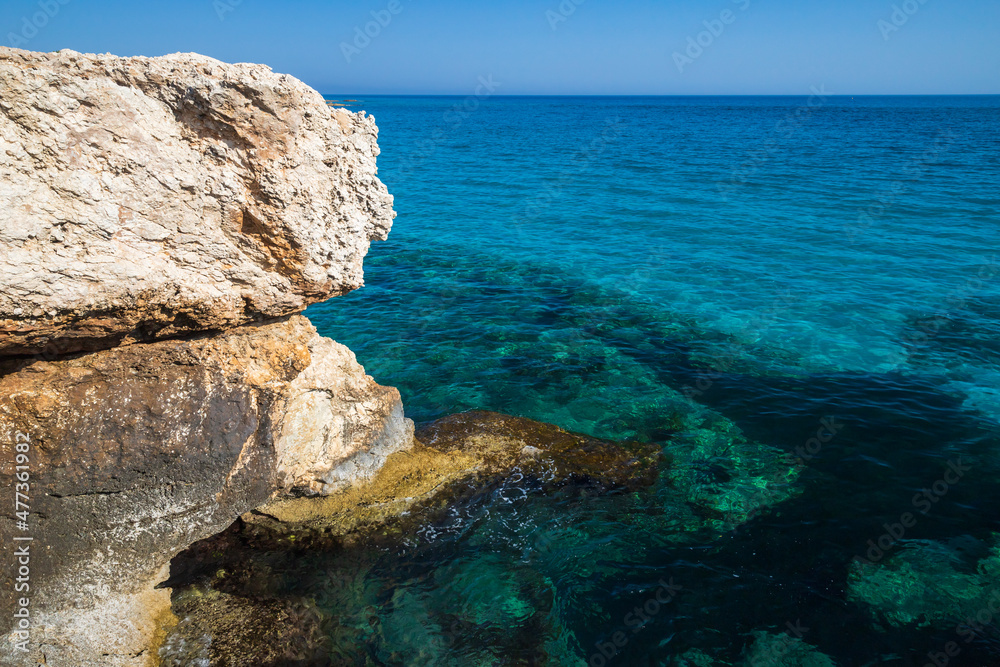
819,274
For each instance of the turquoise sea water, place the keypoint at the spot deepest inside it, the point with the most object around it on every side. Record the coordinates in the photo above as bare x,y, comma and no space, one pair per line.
778,262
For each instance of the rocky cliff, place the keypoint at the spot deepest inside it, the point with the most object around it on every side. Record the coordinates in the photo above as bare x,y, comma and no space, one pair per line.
162,221
145,198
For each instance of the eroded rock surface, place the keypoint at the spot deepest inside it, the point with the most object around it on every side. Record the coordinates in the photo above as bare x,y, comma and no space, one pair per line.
162,221
136,452
143,198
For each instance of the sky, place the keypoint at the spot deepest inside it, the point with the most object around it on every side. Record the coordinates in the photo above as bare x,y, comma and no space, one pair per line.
551,47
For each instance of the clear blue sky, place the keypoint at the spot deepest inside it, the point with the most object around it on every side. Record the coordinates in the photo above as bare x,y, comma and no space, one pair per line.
602,46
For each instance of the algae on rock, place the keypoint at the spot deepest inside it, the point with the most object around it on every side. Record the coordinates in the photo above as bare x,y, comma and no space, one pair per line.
507,510
927,583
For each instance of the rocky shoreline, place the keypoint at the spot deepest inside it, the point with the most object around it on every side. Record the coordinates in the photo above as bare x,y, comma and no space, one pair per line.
186,440
163,221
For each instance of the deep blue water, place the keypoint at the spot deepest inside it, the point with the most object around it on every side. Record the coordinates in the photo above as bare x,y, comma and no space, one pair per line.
778,261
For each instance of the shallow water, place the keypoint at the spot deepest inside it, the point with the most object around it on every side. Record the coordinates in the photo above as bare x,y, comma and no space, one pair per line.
778,261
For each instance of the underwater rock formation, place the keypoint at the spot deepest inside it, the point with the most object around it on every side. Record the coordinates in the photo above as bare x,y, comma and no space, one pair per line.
504,507
930,583
145,198
711,474
161,222
461,453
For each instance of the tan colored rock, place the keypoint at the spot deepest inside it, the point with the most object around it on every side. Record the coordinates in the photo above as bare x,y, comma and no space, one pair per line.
144,198
454,455
139,451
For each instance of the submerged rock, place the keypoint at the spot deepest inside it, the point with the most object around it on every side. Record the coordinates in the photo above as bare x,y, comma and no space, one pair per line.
143,198
929,583
457,552
783,650
243,632
461,454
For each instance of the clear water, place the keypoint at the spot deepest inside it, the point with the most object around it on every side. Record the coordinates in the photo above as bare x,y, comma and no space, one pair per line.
779,261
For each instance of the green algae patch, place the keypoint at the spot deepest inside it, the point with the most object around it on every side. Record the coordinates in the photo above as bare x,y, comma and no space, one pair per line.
693,658
459,454
783,650
406,479
732,478
708,475
927,583
221,629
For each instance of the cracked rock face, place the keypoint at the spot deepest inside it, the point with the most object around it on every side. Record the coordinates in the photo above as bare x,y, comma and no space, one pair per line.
145,198
162,221
136,452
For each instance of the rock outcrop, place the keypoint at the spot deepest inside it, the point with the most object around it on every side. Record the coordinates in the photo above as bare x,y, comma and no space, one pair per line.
143,198
458,454
457,550
161,222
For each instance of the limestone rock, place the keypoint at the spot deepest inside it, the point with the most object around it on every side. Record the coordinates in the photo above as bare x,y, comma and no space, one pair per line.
145,198
139,451
457,454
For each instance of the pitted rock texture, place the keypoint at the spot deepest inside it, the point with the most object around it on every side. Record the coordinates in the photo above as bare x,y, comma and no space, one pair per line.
139,451
146,198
